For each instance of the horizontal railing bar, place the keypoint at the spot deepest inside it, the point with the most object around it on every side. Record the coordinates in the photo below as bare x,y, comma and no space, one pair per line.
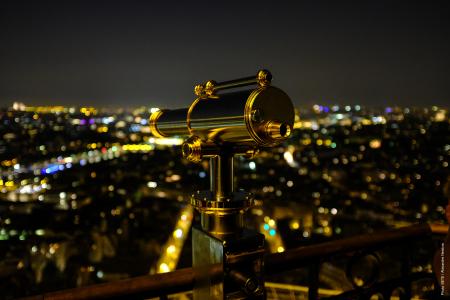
183,279
149,285
439,228
291,259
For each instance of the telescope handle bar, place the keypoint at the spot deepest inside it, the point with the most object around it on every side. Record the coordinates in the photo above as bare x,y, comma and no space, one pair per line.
262,78
235,83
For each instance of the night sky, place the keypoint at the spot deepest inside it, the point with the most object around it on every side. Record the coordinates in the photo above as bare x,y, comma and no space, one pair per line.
153,53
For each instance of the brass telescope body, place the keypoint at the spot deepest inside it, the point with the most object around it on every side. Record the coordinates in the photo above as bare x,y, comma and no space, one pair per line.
219,125
249,117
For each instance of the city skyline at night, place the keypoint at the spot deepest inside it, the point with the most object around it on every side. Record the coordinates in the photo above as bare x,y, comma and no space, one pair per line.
101,181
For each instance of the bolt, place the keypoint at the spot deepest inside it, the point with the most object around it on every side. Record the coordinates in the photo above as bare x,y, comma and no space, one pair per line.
256,115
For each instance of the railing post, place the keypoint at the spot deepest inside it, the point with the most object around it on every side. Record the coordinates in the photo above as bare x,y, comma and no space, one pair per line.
406,270
313,280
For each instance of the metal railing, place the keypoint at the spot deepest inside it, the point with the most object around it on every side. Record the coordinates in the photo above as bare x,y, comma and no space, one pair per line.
161,285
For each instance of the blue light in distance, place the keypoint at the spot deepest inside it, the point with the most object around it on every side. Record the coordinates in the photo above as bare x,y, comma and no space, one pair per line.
50,169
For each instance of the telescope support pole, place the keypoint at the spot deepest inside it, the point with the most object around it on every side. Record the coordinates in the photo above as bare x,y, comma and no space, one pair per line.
221,175
222,241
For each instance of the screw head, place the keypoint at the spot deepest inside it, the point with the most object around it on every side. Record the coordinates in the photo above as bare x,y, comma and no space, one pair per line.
256,115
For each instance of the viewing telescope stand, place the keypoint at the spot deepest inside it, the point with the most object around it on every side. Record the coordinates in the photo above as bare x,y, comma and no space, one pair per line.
222,238
219,126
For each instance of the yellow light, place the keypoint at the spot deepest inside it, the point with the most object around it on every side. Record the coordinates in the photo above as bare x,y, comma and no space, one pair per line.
271,222
295,225
9,183
366,122
307,124
137,147
173,178
375,144
20,265
288,157
306,141
178,233
102,129
164,268
440,116
171,249
280,249
168,141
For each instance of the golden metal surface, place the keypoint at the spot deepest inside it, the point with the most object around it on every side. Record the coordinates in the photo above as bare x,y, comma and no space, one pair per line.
241,117
260,111
188,116
168,123
153,121
221,175
264,77
223,216
247,117
195,150
192,150
277,130
198,89
209,87
222,225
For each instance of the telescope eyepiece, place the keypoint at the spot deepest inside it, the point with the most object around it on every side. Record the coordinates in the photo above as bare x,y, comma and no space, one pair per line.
278,131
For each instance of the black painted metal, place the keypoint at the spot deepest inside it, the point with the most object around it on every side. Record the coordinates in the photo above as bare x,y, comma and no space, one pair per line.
313,282
183,280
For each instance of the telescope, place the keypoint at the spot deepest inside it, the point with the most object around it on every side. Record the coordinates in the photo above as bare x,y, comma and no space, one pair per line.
261,116
226,119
